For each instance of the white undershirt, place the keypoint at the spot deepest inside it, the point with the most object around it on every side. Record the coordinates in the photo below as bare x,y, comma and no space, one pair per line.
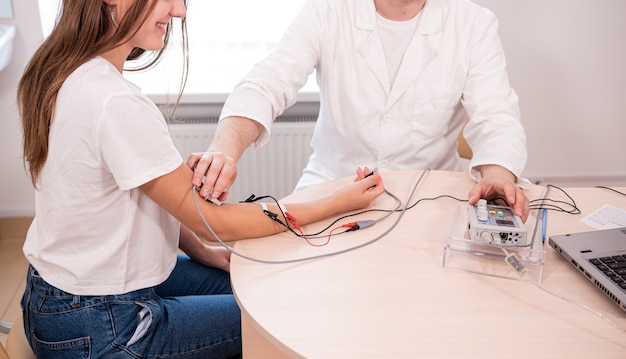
395,37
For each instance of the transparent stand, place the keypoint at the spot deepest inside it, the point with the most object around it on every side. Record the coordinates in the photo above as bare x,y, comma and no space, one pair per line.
463,253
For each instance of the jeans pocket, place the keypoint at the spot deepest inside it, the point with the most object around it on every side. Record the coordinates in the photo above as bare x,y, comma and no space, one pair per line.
144,320
71,348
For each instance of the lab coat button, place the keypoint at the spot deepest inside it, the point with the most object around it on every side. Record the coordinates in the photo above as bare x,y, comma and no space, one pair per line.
387,118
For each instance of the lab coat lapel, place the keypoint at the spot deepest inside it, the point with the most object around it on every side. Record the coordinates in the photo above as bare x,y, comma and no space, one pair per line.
417,56
420,51
370,47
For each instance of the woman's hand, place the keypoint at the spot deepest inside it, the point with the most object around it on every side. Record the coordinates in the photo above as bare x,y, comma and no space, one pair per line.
207,255
358,195
361,173
214,256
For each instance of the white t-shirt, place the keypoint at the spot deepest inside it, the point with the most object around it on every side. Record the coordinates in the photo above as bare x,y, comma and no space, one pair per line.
95,232
395,37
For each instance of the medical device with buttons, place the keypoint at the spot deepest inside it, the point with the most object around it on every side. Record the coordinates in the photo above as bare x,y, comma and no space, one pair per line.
496,225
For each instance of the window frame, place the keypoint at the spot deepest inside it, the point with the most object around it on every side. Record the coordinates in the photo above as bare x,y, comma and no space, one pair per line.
212,77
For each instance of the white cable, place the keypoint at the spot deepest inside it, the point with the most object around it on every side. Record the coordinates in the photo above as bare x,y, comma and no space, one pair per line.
511,259
592,310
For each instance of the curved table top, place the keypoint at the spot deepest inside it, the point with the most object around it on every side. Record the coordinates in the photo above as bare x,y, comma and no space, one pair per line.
394,299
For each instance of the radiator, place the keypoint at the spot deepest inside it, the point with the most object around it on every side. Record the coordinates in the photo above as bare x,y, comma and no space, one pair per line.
273,169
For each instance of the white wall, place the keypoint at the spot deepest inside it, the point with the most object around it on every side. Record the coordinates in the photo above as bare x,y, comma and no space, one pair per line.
16,192
566,61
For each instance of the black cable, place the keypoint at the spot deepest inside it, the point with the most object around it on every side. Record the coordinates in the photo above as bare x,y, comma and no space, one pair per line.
254,198
553,204
436,198
611,189
233,251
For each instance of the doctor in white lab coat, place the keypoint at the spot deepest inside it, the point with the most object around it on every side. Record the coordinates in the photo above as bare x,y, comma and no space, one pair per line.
397,79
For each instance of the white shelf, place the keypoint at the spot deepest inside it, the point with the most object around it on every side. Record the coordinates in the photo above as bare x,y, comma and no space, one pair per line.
7,33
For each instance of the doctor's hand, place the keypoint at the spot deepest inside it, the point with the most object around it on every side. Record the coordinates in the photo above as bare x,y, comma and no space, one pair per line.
218,170
499,183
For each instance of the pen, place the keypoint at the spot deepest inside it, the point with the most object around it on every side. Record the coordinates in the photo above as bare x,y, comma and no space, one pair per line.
369,174
544,220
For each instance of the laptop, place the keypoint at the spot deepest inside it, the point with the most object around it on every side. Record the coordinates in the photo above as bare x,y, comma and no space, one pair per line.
600,255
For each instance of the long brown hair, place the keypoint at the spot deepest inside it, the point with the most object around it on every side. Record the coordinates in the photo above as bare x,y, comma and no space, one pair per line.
81,33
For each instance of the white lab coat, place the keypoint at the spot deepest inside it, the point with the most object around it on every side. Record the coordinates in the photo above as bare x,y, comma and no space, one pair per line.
453,67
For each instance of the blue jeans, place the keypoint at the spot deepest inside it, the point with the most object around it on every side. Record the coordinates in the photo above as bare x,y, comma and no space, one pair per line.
193,314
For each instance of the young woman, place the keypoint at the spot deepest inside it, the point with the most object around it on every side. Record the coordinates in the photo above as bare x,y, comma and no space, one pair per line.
114,201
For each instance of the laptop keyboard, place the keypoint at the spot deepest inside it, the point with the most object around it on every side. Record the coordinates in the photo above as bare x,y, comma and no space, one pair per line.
613,267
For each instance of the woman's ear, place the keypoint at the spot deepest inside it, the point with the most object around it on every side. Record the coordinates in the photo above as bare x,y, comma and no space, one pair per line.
110,2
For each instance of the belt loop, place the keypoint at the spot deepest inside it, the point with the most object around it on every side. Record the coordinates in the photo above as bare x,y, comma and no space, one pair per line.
76,301
29,276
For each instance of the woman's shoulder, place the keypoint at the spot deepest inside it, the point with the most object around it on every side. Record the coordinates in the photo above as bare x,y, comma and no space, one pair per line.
98,80
100,75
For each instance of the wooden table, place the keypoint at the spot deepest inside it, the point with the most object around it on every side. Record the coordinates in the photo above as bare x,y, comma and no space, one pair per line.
394,299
